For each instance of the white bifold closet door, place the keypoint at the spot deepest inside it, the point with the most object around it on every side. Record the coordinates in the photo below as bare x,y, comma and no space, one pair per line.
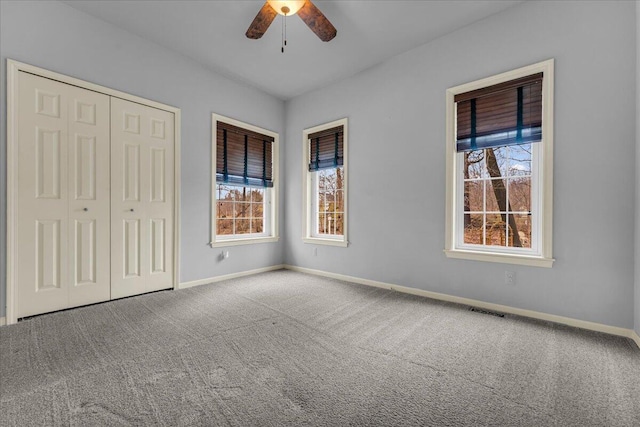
63,197
142,205
95,197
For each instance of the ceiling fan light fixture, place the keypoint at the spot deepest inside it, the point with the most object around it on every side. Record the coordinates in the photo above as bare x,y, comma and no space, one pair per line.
306,10
286,7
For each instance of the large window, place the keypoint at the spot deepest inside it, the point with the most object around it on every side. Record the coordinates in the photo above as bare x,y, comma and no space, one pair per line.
499,160
325,176
244,191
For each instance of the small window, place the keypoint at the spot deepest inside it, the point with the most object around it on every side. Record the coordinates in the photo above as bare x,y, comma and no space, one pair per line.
499,157
244,190
325,173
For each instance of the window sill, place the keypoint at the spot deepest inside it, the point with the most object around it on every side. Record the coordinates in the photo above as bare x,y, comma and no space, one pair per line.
328,242
249,241
532,261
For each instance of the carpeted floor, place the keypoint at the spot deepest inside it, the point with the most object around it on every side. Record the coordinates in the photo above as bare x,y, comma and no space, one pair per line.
285,348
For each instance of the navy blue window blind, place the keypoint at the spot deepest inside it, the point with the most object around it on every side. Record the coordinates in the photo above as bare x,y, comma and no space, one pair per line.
326,149
243,157
508,113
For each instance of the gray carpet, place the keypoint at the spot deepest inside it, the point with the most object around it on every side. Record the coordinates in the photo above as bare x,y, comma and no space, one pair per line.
284,348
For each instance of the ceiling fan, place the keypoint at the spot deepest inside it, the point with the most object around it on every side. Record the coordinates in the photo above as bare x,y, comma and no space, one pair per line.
308,12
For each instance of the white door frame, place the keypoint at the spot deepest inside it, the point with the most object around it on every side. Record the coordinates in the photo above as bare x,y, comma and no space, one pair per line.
13,68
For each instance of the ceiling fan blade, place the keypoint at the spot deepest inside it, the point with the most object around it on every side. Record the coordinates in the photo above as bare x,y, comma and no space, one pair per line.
261,22
317,22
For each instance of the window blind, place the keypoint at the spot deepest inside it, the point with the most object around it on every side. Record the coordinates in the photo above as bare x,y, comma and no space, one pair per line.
243,157
326,149
508,113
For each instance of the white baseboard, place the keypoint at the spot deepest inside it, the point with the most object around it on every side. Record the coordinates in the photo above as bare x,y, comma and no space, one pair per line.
184,285
634,336
3,321
583,324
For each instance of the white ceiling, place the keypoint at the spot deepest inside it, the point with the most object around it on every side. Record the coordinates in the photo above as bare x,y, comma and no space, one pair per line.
212,33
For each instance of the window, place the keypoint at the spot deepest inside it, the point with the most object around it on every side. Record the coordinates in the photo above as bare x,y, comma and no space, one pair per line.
499,168
244,191
325,189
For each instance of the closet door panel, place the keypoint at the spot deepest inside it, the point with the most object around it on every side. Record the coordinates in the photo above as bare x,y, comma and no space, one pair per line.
161,198
128,210
89,197
63,196
141,198
42,252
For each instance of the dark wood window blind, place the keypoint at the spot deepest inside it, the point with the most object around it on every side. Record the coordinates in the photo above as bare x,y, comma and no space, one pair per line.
326,149
507,113
243,157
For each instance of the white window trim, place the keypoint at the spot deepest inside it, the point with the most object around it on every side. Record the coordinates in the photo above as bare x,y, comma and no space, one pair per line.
273,199
308,193
545,173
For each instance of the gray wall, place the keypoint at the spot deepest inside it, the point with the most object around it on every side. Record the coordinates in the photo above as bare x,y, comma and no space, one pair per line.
55,36
637,254
397,161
